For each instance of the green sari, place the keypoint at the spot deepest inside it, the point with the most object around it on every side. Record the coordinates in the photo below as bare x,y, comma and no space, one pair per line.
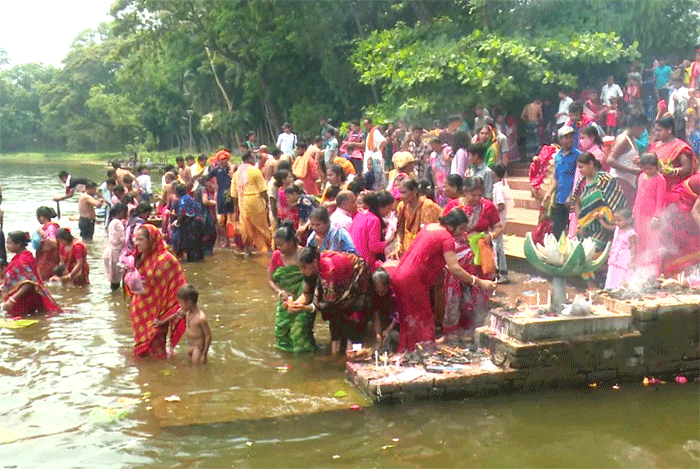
293,332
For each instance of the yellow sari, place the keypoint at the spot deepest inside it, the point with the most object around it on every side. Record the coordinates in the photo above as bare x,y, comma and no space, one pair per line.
247,186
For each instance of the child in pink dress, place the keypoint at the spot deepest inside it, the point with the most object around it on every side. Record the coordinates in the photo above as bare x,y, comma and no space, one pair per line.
622,251
648,204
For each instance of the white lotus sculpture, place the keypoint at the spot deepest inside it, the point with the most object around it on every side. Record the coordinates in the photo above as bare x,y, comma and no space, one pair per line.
561,259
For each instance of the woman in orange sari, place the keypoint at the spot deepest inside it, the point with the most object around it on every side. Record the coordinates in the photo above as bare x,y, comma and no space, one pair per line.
413,213
306,169
162,276
23,291
675,156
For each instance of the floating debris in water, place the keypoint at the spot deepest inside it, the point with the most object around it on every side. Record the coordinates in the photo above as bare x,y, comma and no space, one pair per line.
385,447
340,393
148,407
355,407
173,398
146,396
616,386
336,456
395,440
107,415
284,368
167,372
249,443
593,385
681,379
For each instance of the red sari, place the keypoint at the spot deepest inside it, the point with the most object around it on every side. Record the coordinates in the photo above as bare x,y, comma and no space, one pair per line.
47,259
21,271
682,244
669,155
162,277
418,270
460,298
70,260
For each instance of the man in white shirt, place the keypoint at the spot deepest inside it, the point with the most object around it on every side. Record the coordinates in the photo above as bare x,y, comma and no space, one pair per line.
286,140
145,185
610,90
374,145
562,114
330,146
346,204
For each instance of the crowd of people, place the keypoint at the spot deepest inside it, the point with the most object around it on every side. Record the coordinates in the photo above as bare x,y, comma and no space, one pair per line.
393,234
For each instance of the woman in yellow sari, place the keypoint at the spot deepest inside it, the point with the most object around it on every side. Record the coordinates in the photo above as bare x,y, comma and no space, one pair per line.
249,191
413,213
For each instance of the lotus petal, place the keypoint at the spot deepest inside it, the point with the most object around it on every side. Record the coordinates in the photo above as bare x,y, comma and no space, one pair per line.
589,248
534,259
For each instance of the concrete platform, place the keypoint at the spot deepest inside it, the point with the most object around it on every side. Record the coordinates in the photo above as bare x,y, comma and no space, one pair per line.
624,341
529,327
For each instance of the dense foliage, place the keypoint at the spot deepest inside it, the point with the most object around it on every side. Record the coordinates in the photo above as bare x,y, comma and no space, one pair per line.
221,68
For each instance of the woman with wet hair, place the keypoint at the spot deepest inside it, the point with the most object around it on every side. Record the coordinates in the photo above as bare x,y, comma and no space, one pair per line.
23,290
47,252
73,266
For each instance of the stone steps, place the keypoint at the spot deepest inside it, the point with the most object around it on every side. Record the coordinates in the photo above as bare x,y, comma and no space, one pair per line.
523,217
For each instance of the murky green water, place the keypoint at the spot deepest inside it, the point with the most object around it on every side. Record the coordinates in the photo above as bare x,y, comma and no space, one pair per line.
54,377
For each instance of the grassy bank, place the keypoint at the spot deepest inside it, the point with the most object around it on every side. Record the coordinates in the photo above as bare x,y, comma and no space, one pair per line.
39,157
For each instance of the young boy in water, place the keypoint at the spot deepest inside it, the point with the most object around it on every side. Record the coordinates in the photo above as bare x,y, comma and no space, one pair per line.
86,210
197,333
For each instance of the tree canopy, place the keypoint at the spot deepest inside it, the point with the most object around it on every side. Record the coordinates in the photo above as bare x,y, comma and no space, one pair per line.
137,82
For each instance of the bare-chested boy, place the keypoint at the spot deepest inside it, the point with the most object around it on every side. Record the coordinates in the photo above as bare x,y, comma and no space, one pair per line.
86,210
197,333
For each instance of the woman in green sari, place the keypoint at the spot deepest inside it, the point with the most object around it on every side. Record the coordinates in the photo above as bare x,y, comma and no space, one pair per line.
294,332
489,137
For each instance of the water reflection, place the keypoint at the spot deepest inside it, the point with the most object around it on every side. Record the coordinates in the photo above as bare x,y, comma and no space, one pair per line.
57,373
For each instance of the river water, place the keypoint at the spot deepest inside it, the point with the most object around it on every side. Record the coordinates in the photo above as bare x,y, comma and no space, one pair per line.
59,378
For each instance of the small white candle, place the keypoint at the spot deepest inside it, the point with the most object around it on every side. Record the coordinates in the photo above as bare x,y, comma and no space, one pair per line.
538,297
590,296
549,298
376,358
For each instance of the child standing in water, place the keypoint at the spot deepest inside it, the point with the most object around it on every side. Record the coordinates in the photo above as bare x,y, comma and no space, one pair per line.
73,267
198,333
623,250
648,204
86,209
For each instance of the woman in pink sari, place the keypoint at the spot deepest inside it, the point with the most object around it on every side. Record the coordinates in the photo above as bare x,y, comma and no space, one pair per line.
677,160
419,270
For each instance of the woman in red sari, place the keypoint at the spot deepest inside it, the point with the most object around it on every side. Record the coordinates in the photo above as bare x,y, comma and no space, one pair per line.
22,289
73,267
418,271
675,156
47,253
681,227
151,308
465,305
336,284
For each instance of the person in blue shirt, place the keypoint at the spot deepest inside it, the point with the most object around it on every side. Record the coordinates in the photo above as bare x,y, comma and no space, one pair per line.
663,76
326,237
564,172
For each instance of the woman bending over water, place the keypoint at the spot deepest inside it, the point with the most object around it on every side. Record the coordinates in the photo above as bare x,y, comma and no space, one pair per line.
23,290
73,267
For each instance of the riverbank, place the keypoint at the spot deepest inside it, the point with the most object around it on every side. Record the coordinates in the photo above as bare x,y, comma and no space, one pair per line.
42,157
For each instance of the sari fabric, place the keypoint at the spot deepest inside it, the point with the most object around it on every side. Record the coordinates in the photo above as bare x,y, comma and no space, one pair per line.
440,167
603,195
21,271
414,219
460,298
669,158
293,332
113,249
47,259
70,260
252,207
681,248
162,277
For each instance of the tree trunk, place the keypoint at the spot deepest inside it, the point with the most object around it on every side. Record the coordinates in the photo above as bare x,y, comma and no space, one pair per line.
361,32
229,106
